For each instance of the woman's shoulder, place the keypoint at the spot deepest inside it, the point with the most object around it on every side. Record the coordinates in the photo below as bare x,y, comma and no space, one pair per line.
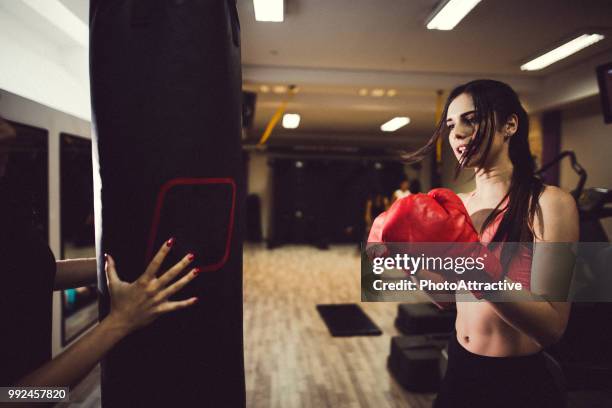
557,217
556,199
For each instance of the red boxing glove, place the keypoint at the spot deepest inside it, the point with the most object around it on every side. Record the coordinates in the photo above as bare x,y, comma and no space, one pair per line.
377,228
375,247
439,216
492,271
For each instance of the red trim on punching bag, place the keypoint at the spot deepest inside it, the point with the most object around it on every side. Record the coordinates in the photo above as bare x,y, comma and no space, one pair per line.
194,181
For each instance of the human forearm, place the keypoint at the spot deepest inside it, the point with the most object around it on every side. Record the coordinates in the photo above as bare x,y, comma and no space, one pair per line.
73,364
74,273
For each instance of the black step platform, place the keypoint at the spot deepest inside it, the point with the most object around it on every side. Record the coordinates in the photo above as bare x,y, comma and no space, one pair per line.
421,318
415,361
344,320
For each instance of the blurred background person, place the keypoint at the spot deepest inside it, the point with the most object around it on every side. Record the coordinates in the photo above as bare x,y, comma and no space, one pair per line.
401,192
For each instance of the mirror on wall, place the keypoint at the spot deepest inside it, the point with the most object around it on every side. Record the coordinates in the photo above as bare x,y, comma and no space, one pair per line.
25,167
79,305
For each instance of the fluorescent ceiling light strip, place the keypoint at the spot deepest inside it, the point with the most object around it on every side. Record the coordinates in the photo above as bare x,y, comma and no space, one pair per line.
291,120
562,51
451,14
269,10
62,18
394,124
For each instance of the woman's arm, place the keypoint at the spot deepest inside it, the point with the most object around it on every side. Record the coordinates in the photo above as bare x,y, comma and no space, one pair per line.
545,321
74,273
133,305
72,365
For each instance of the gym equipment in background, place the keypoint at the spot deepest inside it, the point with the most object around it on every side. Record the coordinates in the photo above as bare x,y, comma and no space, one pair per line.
344,320
584,352
580,171
592,208
167,105
417,362
423,318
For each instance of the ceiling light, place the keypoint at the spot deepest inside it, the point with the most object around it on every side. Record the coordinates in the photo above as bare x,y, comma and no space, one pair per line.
268,10
394,124
291,120
363,92
378,92
264,88
279,89
391,92
562,51
449,13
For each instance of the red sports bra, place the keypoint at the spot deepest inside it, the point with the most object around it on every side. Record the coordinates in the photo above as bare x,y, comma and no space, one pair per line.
519,269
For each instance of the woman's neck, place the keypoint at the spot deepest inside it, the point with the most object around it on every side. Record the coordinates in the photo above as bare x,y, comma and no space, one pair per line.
493,182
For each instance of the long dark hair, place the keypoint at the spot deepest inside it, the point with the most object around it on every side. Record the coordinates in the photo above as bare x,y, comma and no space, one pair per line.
495,102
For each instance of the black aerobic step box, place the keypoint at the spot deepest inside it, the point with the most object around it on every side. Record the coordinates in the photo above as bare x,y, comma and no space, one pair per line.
422,318
415,361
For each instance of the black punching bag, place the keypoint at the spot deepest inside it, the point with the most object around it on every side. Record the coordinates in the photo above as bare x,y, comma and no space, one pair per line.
166,96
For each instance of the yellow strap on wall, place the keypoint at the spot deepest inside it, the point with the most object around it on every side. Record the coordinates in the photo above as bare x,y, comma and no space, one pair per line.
277,115
272,123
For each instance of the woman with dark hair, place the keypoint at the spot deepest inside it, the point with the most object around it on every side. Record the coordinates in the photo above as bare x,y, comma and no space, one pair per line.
495,355
29,273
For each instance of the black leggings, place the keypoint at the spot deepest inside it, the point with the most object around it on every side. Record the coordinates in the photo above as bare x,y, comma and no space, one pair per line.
473,380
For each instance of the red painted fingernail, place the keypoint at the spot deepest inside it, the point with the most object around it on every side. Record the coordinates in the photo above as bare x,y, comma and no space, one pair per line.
191,256
170,242
197,271
196,300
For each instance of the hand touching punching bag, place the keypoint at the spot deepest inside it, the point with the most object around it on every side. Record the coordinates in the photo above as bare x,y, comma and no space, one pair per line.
166,95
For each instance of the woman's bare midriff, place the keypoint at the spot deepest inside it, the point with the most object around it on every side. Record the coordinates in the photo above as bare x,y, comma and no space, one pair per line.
481,331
